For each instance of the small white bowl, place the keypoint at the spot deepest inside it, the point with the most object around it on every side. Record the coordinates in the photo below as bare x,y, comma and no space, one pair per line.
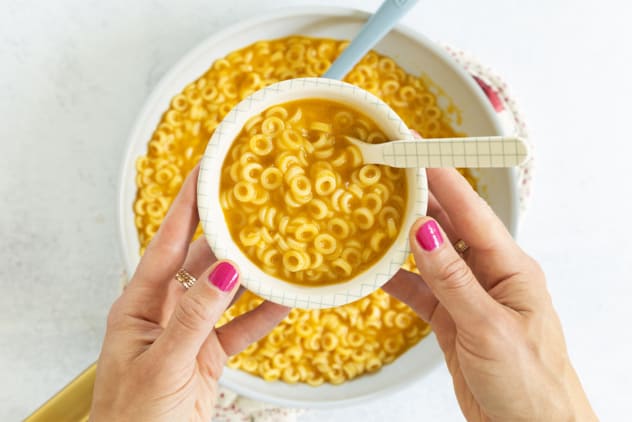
212,216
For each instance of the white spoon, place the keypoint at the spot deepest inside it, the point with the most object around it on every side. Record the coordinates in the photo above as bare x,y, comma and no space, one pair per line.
474,152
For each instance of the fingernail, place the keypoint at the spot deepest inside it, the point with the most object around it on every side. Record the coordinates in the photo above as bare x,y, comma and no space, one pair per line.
223,276
429,236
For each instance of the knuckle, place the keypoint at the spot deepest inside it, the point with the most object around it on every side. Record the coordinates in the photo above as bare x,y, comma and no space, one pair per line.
455,274
192,312
534,281
535,267
115,315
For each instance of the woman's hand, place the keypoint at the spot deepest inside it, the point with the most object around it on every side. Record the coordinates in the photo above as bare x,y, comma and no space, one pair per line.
490,311
161,356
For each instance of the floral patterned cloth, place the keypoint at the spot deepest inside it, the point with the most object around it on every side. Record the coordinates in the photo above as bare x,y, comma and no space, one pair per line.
232,407
508,113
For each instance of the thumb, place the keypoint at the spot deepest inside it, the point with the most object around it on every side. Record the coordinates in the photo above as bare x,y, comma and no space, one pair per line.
198,310
447,275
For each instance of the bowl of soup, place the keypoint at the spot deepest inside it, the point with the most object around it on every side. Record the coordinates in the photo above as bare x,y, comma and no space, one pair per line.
283,194
330,356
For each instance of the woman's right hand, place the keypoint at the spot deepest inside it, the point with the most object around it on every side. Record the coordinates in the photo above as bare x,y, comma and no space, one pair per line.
490,310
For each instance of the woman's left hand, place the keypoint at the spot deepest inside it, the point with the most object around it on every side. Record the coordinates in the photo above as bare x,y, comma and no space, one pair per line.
162,356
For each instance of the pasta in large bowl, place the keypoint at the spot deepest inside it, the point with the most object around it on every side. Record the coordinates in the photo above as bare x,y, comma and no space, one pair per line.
350,353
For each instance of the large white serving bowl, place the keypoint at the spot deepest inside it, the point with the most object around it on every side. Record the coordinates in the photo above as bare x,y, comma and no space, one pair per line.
417,55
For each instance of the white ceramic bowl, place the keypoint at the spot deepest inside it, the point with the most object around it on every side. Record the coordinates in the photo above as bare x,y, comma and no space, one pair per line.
417,55
212,215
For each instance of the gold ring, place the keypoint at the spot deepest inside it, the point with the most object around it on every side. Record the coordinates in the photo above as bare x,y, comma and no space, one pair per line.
185,278
460,246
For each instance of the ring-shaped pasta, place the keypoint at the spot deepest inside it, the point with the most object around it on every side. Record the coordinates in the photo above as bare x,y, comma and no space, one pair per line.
343,120
378,240
335,198
320,127
360,132
382,190
304,330
316,259
209,93
300,186
293,260
369,174
340,160
373,364
249,237
347,202
283,223
325,183
296,116
321,66
391,228
338,227
290,201
180,102
266,237
355,339
363,217
306,232
272,125
325,243
342,267
329,341
251,172
247,157
267,216
322,154
285,160
244,191
293,172
356,190
355,78
402,320
271,178
261,196
373,202
375,137
280,112
392,173
290,139
352,256
323,141
299,246
261,145
390,87
290,375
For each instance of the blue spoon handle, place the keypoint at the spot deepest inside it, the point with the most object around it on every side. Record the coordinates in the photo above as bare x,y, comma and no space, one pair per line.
371,33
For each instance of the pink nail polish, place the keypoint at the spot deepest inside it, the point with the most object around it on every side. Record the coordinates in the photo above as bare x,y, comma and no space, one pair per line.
429,236
224,276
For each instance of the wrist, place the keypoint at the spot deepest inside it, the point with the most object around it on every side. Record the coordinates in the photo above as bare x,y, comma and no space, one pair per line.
578,408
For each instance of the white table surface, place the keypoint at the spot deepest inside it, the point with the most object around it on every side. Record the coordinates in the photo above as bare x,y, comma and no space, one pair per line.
74,74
